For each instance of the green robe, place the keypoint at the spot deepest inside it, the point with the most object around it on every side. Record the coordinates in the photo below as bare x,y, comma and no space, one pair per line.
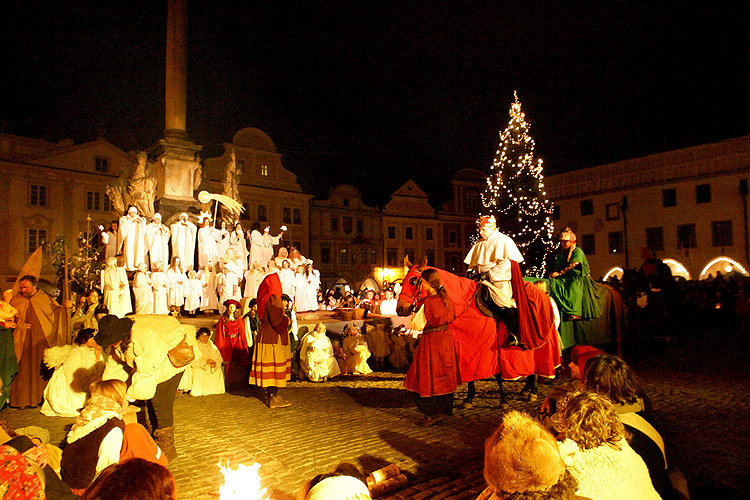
575,292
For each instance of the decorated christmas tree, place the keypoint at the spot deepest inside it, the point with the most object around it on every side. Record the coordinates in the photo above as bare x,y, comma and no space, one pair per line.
515,194
84,266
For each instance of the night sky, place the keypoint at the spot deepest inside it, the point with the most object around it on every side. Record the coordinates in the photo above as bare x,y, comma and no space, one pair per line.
375,92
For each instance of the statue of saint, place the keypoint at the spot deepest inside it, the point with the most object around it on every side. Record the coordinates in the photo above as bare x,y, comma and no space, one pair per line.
142,186
118,193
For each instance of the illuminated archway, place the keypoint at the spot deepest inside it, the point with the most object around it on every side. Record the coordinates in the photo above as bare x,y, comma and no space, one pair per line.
725,265
677,268
615,272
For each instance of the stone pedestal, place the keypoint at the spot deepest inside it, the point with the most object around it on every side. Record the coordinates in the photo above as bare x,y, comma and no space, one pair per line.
178,172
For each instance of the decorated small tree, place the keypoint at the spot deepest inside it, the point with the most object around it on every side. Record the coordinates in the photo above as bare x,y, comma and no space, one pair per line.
84,266
515,193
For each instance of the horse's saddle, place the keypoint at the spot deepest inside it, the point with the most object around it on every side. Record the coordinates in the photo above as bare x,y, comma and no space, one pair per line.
487,306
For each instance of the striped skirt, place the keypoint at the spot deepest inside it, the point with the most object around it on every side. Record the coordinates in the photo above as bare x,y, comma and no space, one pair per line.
272,365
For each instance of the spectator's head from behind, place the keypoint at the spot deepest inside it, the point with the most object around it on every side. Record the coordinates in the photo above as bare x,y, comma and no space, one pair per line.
590,420
612,377
521,461
579,356
113,389
133,479
346,482
86,337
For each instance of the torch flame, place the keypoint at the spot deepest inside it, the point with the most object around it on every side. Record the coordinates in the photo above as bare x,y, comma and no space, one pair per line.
241,484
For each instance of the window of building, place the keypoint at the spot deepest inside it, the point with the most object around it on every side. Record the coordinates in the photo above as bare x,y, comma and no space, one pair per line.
391,257
452,238
346,202
430,253
686,237
703,193
588,244
325,255
669,197
107,203
346,225
612,211
298,246
453,265
428,234
297,216
38,195
264,170
721,233
409,233
556,212
472,201
245,215
409,252
363,256
93,200
334,224
587,207
615,242
286,215
373,256
342,256
262,213
391,232
101,164
240,165
360,226
36,238
655,238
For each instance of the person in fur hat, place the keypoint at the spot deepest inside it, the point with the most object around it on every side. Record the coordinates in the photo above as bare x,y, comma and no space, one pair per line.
139,352
521,461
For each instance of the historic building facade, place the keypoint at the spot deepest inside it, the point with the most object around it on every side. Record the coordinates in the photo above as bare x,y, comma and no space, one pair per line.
689,207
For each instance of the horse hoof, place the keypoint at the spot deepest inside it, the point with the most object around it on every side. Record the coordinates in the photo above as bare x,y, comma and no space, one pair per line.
504,405
465,406
532,397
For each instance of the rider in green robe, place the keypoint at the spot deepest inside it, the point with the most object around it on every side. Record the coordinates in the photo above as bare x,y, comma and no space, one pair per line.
577,295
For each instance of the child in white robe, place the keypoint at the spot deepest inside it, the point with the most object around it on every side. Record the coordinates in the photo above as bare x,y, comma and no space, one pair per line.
253,277
144,296
357,352
159,289
377,341
193,292
210,300
205,375
316,356
398,357
76,367
176,279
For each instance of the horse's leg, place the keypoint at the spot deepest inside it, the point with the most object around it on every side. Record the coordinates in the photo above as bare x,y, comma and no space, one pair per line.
503,402
472,391
530,388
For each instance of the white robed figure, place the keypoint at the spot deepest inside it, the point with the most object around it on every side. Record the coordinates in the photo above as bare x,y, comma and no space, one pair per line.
288,278
491,256
115,289
209,239
76,367
109,239
236,241
228,281
316,356
261,244
253,278
131,239
193,292
176,279
210,301
142,291
183,240
159,287
205,376
157,241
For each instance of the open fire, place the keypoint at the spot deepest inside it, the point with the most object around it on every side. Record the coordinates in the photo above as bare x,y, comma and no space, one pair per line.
242,483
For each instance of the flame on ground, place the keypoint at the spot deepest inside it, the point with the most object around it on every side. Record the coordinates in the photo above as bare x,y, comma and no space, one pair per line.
242,483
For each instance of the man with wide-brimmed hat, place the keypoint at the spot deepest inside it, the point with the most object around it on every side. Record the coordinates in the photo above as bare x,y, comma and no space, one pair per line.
142,353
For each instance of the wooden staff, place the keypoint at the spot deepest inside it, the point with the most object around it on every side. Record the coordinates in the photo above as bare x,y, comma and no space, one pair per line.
66,294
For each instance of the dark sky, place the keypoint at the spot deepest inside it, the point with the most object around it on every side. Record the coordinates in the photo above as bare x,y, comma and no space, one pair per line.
375,92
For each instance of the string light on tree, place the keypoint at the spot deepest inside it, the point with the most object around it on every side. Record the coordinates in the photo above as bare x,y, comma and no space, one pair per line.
516,196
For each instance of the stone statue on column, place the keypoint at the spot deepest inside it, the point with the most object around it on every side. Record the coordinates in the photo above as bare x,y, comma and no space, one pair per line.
118,194
142,186
231,185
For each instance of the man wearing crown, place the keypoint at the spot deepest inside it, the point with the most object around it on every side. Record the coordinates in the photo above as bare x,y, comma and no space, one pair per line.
491,258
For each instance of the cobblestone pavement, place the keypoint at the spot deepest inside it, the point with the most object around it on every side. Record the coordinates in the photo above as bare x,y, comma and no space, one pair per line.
698,386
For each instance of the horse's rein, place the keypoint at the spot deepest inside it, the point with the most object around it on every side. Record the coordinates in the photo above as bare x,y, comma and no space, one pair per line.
417,292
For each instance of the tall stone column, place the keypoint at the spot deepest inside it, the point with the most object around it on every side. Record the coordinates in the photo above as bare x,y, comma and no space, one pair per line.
177,164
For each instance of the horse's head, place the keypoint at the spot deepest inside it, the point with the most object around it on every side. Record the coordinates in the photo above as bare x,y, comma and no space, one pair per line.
411,289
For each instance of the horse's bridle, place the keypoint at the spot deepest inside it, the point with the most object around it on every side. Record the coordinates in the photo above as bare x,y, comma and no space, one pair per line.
417,291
